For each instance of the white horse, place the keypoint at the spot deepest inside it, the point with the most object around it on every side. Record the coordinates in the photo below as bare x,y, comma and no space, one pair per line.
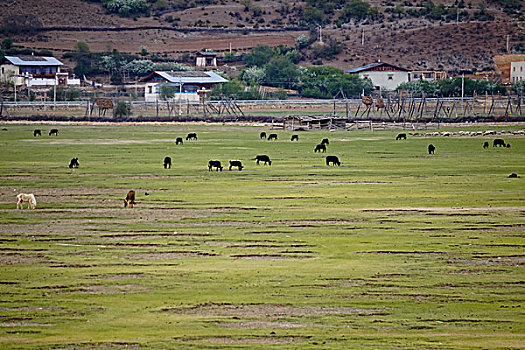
25,197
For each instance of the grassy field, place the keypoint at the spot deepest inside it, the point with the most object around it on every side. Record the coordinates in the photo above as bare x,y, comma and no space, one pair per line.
394,249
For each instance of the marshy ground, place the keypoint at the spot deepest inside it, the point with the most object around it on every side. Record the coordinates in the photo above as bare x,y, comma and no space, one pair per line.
394,249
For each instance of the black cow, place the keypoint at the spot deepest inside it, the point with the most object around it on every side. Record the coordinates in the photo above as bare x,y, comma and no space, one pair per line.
272,137
263,158
214,164
486,144
167,162
295,138
236,163
332,159
262,135
37,132
179,140
498,142
320,147
513,175
508,145
401,137
191,136
431,149
325,142
53,131
74,163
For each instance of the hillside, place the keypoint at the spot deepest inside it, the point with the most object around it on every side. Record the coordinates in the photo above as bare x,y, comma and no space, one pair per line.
398,32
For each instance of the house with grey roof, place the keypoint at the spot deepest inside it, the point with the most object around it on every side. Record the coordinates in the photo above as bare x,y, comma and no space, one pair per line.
34,71
188,85
384,76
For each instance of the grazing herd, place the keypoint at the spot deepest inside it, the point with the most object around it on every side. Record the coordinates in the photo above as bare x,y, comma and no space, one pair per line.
129,201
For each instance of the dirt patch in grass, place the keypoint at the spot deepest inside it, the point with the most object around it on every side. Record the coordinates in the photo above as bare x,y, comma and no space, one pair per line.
7,259
269,324
510,260
270,256
227,340
165,255
118,289
25,324
267,311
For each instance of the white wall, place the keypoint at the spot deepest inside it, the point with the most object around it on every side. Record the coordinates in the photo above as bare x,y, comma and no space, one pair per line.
387,81
517,71
151,94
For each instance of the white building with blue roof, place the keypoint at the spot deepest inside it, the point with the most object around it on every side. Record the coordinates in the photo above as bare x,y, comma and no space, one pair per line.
189,85
34,71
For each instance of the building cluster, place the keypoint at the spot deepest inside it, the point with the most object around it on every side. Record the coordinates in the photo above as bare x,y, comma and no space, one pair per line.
45,72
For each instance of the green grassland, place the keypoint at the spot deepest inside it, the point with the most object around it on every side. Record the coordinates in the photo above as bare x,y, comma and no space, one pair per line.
394,249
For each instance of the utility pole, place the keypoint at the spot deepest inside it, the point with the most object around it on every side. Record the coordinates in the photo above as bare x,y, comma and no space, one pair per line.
363,37
463,91
55,94
508,38
320,35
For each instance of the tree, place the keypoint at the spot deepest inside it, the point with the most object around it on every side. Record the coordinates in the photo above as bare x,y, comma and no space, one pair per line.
356,9
143,50
116,77
259,56
167,91
7,43
174,66
123,109
519,87
138,67
253,75
81,47
281,72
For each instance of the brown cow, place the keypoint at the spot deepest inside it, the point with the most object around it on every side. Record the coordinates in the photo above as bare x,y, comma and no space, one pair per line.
130,199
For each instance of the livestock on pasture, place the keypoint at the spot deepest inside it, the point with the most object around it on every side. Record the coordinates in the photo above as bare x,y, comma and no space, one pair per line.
431,149
486,144
53,132
325,142
320,148
263,158
191,136
130,199
508,145
295,138
179,140
262,135
37,132
332,159
28,198
236,163
74,163
167,162
272,137
401,137
499,143
214,164
513,175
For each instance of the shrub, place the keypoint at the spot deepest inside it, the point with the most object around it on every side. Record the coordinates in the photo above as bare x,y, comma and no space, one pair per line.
123,109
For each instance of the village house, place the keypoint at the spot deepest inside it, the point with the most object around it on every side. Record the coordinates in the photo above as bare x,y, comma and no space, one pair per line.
206,59
34,72
189,85
384,76
517,72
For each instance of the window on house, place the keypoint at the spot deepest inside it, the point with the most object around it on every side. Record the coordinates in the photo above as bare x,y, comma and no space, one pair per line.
390,77
514,69
150,89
